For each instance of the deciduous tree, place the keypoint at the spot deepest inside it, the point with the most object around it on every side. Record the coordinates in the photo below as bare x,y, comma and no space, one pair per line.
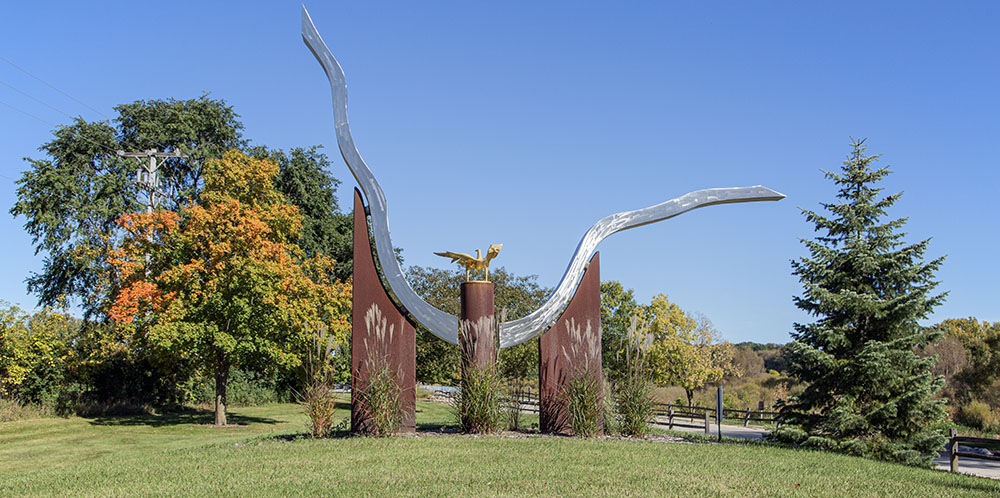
71,199
437,360
687,351
618,306
33,353
221,282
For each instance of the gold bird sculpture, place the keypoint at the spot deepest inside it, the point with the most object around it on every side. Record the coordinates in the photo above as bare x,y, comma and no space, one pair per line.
473,263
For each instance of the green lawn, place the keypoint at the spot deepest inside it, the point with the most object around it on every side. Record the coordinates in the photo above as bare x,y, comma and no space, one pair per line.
178,455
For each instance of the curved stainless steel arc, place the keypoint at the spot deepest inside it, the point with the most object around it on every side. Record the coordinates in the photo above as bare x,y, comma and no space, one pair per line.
440,323
514,332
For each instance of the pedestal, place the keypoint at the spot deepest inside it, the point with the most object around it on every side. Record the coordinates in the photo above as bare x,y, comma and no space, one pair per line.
477,325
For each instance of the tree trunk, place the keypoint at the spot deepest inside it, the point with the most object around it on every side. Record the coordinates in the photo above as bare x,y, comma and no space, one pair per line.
690,393
221,383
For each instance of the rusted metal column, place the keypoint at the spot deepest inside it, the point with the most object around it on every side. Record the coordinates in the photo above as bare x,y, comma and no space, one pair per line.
477,324
380,333
571,347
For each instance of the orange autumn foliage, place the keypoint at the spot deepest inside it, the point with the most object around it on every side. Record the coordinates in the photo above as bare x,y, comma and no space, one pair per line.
222,281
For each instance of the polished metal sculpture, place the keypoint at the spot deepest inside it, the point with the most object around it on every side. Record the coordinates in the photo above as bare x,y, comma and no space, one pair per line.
445,325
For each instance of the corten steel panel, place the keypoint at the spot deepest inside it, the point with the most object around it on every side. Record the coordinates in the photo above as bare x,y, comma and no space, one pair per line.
477,302
402,349
554,368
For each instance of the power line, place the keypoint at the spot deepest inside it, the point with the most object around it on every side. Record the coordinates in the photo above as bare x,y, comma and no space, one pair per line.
78,135
78,101
26,113
40,101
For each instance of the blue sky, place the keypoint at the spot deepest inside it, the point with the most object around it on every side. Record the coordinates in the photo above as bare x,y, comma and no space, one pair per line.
523,123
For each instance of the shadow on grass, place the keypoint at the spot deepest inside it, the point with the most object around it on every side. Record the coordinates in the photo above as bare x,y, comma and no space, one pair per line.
180,416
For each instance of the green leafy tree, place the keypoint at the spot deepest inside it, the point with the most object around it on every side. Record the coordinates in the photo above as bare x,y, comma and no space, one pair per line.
687,351
305,181
437,360
224,286
34,352
72,199
868,392
618,306
969,358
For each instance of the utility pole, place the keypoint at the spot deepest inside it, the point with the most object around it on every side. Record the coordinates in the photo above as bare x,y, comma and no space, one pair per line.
147,176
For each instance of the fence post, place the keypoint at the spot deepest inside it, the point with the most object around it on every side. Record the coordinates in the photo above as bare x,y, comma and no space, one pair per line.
746,421
719,412
954,450
708,425
670,419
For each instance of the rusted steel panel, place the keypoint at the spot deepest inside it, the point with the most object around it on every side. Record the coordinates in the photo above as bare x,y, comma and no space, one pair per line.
477,314
396,344
563,354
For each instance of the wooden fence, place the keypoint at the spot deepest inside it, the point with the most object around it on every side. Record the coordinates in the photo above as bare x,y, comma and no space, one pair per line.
673,415
955,452
671,412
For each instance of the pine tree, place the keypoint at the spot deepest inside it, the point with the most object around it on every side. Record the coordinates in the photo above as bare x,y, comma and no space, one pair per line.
867,391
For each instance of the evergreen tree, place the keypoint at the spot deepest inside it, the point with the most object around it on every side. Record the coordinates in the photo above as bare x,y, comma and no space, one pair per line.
868,392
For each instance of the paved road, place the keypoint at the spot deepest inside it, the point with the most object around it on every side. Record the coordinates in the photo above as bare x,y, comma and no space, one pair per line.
973,466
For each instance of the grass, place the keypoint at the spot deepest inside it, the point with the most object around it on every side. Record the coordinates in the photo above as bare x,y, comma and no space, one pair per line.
175,454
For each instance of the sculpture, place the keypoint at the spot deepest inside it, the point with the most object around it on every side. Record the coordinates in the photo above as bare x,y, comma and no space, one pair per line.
445,325
476,263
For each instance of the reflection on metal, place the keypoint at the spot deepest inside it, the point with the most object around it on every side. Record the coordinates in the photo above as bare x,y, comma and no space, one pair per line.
442,324
473,263
445,325
518,331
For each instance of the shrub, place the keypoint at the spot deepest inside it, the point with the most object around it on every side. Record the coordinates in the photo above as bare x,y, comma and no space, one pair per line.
479,407
608,418
583,403
515,393
633,392
790,435
582,391
478,404
821,443
979,415
245,388
11,410
381,400
319,399
380,397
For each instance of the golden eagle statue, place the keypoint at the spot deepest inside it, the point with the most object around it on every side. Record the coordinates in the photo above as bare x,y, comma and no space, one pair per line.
476,263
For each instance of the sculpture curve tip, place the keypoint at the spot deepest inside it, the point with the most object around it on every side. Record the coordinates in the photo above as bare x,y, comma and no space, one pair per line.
306,21
777,194
769,194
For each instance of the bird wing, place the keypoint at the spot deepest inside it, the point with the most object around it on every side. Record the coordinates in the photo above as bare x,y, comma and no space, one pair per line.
492,252
456,256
